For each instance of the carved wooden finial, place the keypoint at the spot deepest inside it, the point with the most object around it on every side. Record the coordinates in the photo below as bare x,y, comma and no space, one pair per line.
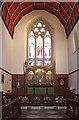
26,64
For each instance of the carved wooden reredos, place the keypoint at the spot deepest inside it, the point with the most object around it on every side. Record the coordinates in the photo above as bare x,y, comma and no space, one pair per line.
40,76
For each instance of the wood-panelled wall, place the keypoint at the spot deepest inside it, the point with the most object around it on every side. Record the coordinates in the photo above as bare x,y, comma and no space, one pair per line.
58,88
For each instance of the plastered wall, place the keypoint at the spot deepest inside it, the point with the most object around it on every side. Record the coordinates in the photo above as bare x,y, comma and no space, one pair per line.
7,84
5,58
0,51
72,62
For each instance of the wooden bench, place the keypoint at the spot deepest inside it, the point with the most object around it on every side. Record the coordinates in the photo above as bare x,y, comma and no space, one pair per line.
72,108
12,109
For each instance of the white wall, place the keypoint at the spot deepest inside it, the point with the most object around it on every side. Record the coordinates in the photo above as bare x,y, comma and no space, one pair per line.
0,41
78,82
78,57
72,62
7,43
0,65
73,81
72,56
7,85
19,42
0,50
5,57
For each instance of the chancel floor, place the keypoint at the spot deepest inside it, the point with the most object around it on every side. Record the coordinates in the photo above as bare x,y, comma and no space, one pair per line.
44,114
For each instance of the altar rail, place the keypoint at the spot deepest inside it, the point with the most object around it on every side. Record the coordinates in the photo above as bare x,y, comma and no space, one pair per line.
12,109
73,108
29,100
43,100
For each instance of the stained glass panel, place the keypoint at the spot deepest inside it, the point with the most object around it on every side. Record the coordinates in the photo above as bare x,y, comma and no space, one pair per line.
39,62
34,25
47,34
47,42
48,63
31,63
31,47
42,30
39,47
43,25
39,25
36,30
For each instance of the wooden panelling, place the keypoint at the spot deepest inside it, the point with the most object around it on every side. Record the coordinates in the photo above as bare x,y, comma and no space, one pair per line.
57,88
18,77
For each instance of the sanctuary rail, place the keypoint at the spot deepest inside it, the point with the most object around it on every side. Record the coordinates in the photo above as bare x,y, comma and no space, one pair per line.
42,100
73,108
12,109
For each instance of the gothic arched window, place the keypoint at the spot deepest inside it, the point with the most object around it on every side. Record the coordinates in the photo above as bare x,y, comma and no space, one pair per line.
39,46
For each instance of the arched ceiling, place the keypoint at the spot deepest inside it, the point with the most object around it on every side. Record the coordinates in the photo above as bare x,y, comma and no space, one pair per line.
66,12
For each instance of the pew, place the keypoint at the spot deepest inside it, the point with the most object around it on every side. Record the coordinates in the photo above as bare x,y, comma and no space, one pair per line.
12,109
73,108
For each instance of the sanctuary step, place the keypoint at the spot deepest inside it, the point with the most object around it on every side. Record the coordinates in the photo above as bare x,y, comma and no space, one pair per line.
43,114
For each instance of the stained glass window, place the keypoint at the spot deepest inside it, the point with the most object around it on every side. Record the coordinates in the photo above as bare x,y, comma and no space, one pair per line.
39,46
31,49
47,46
47,41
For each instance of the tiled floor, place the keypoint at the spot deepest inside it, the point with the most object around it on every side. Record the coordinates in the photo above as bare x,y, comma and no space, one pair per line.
44,115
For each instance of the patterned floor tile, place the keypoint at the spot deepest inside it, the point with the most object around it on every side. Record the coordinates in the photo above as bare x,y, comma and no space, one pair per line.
48,114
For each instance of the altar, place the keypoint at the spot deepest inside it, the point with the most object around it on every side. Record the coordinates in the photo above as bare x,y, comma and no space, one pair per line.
40,90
